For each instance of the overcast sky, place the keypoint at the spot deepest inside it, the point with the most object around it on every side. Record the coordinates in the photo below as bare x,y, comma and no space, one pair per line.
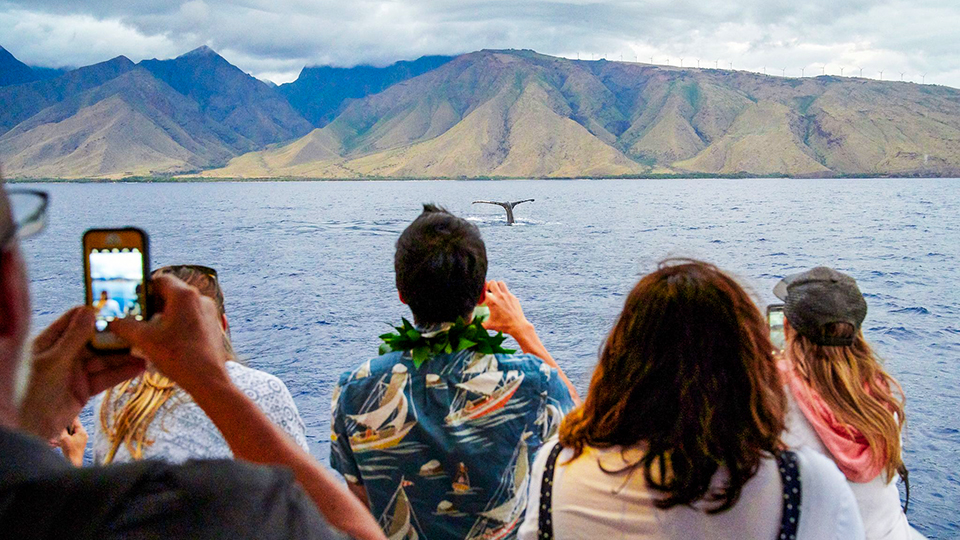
274,39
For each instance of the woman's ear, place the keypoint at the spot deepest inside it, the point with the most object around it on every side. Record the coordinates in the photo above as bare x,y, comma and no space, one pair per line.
224,323
483,295
400,296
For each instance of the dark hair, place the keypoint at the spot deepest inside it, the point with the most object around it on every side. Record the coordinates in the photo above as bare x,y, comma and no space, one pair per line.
687,371
441,266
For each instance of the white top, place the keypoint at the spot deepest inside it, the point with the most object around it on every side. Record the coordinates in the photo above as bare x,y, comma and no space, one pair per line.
181,430
878,500
591,503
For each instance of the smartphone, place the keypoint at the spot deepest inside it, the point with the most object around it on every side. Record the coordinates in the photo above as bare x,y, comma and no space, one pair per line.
116,264
775,321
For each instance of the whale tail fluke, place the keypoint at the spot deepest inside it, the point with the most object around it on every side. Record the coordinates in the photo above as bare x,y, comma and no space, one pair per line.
508,206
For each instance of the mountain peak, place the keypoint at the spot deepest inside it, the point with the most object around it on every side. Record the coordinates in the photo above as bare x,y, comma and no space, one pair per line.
13,71
202,50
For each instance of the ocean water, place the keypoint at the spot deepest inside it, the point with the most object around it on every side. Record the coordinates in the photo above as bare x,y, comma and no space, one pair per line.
307,269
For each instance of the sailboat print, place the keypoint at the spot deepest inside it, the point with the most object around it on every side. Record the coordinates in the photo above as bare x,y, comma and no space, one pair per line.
495,389
398,525
497,521
385,418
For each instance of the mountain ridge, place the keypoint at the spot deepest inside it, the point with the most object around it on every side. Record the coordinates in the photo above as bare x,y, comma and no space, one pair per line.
627,119
489,113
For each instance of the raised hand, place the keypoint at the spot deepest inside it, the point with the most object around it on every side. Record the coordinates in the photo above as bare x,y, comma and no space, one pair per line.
66,373
185,341
506,315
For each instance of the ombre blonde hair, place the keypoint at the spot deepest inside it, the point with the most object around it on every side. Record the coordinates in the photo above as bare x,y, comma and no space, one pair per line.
856,388
130,408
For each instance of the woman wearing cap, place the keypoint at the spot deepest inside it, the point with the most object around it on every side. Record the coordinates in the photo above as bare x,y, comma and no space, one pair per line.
150,417
841,401
679,436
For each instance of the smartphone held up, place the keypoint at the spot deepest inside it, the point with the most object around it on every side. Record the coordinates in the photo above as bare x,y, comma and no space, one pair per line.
116,268
775,322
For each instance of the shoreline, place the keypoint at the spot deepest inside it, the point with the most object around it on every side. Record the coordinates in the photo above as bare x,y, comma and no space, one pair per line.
201,179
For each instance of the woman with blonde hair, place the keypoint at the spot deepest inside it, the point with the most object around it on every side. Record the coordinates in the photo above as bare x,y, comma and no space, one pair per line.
841,400
149,417
679,435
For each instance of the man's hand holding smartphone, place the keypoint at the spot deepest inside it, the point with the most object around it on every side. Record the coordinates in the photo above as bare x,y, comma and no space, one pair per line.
184,341
66,373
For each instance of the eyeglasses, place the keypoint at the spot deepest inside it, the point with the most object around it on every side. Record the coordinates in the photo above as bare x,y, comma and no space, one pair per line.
205,270
28,209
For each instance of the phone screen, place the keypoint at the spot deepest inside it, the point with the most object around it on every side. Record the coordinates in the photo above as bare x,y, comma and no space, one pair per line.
116,284
775,320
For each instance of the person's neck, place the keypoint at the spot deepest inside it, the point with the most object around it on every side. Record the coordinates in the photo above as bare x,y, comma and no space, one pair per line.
467,319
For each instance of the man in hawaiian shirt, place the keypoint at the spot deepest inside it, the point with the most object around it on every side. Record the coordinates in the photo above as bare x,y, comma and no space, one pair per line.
440,447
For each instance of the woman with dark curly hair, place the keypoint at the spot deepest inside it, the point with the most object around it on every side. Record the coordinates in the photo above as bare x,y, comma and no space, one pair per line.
679,436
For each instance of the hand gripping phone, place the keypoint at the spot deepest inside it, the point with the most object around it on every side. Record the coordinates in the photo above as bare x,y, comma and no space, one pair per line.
115,268
775,322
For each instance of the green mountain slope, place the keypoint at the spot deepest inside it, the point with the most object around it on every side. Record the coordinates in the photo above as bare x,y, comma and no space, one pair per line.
522,114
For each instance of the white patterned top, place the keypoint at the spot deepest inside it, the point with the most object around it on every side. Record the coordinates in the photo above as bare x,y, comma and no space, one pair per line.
182,431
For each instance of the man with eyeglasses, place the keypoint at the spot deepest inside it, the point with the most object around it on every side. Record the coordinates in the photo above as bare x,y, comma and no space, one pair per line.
42,389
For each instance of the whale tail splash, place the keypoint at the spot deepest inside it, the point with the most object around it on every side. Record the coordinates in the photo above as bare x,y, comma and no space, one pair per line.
508,206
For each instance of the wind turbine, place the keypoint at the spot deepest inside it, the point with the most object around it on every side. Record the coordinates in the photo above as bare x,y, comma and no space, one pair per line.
923,79
731,66
881,75
861,73
764,70
651,59
783,72
841,72
801,71
901,75
823,69
668,61
716,64
681,62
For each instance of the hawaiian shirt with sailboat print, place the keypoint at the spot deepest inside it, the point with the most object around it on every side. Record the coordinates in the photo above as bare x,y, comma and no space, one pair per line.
444,451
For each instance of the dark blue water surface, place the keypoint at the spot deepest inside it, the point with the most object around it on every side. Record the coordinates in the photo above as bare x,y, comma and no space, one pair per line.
308,271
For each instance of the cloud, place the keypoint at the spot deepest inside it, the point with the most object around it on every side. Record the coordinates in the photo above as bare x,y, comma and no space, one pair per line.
275,38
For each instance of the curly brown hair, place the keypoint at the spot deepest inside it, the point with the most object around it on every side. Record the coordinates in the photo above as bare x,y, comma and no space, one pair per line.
687,372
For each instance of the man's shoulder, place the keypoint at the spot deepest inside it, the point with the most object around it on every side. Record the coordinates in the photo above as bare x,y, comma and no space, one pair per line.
200,499
372,369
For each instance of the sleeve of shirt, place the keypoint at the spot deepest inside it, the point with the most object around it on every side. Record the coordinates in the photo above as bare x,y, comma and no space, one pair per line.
282,411
99,444
825,492
202,500
341,455
558,396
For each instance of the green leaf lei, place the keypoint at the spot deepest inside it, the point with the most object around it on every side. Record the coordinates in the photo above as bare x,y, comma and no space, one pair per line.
459,337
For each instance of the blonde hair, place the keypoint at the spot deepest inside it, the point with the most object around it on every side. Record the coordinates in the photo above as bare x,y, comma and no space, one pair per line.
856,388
127,423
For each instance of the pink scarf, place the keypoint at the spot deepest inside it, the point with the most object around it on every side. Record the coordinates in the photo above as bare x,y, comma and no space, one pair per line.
846,443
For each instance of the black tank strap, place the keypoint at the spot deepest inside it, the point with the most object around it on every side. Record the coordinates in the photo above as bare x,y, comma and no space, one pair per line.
786,464
790,476
545,520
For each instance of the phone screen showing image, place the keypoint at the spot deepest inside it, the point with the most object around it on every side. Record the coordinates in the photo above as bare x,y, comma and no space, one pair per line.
116,284
775,320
